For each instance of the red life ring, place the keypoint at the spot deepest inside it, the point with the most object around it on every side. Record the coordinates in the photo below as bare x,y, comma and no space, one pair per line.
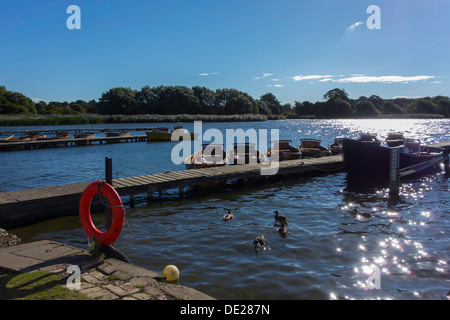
118,211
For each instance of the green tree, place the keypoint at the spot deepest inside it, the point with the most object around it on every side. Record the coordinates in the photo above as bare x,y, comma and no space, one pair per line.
206,99
146,100
15,102
365,108
338,108
335,94
424,106
391,108
118,100
272,103
304,108
443,104
176,100
377,101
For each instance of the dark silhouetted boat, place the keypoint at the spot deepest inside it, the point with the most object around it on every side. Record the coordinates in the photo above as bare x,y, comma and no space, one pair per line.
363,160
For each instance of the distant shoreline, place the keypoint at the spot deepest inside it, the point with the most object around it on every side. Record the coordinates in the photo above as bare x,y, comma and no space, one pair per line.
86,119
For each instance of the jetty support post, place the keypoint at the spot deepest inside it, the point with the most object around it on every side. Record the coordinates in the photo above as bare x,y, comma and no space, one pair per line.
446,162
394,164
108,180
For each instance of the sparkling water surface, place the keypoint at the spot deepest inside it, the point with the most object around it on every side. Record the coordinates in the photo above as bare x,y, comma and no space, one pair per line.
328,253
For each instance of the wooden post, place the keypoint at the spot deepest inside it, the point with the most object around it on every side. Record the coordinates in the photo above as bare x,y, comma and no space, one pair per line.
394,163
181,191
446,162
132,200
108,179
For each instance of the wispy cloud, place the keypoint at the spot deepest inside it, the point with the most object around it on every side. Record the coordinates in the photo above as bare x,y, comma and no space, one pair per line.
310,77
265,75
208,74
383,79
276,85
354,26
361,78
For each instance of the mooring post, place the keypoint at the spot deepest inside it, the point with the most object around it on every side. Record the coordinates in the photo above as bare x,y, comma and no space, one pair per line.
181,191
394,164
446,162
108,180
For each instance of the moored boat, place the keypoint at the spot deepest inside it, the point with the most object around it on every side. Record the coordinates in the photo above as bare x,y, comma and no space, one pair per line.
7,139
84,135
212,155
163,134
371,160
311,148
369,138
58,136
335,147
117,134
395,139
282,150
245,153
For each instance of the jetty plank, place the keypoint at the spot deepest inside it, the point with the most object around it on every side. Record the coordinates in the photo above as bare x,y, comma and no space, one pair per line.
18,208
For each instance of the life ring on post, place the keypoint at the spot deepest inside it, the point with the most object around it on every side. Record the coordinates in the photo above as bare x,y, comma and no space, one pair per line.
118,211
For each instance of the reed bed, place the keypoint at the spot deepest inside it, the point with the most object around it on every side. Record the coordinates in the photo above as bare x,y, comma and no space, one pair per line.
43,120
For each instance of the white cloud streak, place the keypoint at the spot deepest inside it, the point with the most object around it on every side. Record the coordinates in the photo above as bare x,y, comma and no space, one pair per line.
384,79
354,26
361,78
310,77
265,75
208,74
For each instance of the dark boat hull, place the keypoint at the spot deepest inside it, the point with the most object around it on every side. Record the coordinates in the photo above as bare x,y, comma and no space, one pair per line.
370,160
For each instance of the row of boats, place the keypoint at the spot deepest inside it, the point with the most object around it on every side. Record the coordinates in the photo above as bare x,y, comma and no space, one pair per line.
365,157
60,135
245,153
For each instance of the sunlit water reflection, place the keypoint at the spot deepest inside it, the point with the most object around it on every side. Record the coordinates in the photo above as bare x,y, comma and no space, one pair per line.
329,253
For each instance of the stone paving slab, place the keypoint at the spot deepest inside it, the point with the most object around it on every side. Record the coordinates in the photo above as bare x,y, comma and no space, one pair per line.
102,279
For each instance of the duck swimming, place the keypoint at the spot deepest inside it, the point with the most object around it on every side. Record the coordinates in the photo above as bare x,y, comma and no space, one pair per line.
283,231
280,218
360,213
259,241
228,216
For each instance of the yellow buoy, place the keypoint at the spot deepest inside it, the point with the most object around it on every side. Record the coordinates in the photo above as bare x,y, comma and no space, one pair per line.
171,273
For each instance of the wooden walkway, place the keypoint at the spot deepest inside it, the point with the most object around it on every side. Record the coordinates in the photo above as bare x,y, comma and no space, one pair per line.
37,144
18,208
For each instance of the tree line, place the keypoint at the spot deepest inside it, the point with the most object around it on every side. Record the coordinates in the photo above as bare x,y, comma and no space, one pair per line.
173,100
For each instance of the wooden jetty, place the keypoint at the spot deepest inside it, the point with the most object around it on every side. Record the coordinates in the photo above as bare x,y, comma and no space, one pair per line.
76,130
19,208
37,144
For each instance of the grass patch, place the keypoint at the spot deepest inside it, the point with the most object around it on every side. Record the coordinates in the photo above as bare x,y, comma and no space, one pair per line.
38,285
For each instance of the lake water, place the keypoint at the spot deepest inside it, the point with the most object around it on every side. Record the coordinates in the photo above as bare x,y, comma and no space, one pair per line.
327,254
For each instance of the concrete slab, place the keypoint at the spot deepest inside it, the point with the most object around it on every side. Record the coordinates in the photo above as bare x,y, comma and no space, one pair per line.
108,279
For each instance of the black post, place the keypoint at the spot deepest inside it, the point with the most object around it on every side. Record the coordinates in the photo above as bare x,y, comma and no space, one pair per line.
109,250
446,162
108,170
394,163
108,179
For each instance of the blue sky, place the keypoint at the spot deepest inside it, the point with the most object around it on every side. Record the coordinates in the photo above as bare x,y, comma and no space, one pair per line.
298,50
